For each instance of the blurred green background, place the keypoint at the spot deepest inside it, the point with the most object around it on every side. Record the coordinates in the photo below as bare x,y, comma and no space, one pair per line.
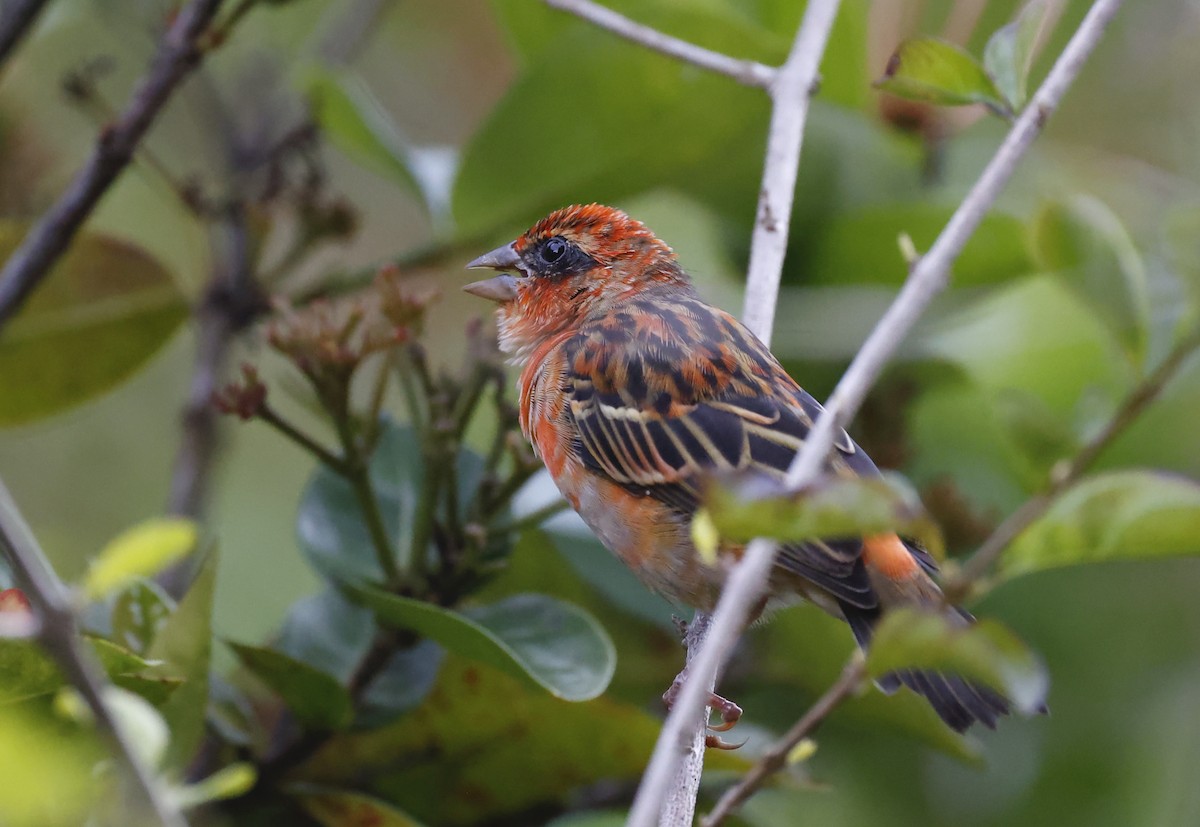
504,110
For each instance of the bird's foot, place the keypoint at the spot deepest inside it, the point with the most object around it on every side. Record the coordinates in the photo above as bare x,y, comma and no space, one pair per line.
730,712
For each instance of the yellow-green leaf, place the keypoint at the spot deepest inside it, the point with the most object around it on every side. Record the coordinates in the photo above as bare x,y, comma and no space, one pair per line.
102,312
935,71
141,551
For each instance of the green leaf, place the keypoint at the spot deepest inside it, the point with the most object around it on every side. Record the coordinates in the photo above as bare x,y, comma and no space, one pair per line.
859,246
27,671
1087,246
938,72
556,645
832,507
343,808
1008,55
1121,515
141,551
984,651
316,698
330,524
102,312
139,612
184,644
610,154
357,124
1042,436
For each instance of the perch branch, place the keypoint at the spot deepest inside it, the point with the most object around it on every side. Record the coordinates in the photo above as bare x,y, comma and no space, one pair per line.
179,53
671,785
928,276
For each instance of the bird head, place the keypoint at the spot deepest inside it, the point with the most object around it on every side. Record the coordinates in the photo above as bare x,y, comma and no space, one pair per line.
576,263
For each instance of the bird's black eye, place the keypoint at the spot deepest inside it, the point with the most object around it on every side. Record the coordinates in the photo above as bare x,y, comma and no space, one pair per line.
553,250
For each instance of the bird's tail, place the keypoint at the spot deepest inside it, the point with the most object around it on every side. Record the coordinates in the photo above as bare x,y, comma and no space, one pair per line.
959,701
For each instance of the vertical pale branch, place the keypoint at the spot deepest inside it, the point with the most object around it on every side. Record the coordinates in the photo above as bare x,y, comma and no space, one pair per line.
928,276
791,91
667,795
58,634
178,55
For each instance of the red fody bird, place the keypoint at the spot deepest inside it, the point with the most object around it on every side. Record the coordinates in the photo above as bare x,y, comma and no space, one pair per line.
633,390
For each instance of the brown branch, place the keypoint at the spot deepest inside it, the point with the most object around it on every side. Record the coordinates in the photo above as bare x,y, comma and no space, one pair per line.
16,20
231,304
775,758
179,53
58,634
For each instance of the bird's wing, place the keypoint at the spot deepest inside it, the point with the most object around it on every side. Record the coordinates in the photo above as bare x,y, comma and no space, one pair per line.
656,414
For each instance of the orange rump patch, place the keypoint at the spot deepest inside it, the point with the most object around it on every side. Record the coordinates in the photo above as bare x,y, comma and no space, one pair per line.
887,555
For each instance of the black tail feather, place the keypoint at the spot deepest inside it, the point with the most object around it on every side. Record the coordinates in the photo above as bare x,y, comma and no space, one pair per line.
958,701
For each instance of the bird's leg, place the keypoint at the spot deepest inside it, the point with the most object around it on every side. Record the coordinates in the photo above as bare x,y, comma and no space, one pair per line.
730,712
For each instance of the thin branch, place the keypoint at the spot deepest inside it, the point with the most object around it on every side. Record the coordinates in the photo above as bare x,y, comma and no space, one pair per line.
58,633
747,72
231,303
775,758
16,20
331,460
928,277
178,55
1066,474
671,782
791,91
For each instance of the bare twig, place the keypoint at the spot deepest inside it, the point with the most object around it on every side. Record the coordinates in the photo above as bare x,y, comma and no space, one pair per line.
231,303
58,633
178,55
1067,473
929,275
16,19
775,758
792,85
791,90
746,72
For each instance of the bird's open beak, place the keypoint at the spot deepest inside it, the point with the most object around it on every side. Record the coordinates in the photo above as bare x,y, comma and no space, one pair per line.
502,288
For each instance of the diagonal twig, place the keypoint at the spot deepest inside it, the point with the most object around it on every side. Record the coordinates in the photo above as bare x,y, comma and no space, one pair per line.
747,72
58,633
16,19
178,55
928,276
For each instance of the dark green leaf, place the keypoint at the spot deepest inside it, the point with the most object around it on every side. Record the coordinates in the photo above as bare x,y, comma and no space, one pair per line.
503,747
938,72
343,808
104,310
1121,515
184,643
330,524
832,507
129,671
558,646
138,613
359,126
1085,243
316,698
984,651
1008,56
1039,433
332,634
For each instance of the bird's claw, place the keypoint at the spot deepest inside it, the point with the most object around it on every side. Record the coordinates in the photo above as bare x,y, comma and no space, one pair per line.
715,742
